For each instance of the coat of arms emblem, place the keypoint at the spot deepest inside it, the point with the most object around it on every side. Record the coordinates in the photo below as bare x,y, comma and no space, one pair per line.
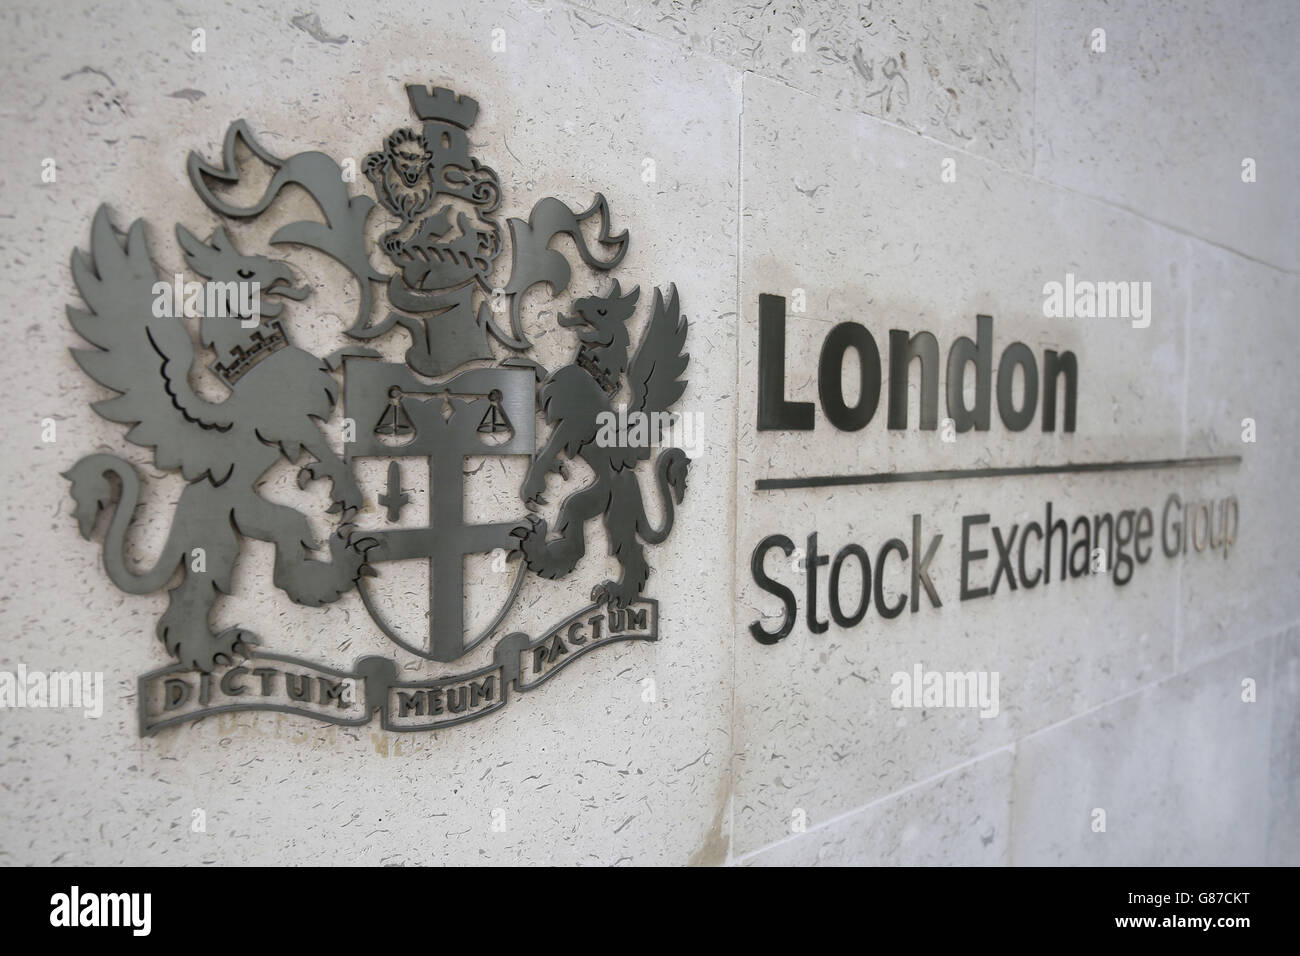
467,388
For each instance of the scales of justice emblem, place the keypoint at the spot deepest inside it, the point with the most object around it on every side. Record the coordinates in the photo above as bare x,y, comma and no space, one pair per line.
454,397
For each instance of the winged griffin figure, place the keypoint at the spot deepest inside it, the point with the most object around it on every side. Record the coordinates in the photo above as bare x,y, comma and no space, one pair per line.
576,399
279,394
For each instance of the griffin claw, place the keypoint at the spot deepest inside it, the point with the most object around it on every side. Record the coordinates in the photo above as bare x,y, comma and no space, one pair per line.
528,530
205,652
615,595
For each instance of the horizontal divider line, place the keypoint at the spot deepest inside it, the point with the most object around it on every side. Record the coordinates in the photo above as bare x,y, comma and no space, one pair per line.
954,474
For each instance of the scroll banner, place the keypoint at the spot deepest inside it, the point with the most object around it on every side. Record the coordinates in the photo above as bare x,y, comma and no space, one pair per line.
273,682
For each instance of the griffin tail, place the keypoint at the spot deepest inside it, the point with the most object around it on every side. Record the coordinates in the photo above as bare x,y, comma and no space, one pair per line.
670,474
92,493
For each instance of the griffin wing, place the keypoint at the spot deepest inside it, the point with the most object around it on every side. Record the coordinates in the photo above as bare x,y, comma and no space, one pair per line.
654,375
146,359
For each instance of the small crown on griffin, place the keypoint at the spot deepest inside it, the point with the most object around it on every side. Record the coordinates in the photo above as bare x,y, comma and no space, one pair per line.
439,104
243,359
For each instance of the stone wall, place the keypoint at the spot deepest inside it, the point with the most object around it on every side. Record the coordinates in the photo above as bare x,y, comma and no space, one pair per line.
906,166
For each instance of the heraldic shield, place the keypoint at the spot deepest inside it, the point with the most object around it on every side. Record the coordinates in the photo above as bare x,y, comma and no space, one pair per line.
478,412
467,389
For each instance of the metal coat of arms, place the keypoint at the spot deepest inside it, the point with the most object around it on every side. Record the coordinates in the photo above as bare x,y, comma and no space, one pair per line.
454,397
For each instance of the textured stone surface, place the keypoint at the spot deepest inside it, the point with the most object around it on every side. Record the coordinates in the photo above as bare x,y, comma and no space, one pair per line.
960,819
961,73
916,164
1240,332
1284,753
583,771
1181,770
1163,119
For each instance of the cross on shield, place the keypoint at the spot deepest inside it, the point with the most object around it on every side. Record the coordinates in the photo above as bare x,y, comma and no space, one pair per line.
485,411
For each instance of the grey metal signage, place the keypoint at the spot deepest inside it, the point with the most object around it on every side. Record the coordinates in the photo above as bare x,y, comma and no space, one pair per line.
467,388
